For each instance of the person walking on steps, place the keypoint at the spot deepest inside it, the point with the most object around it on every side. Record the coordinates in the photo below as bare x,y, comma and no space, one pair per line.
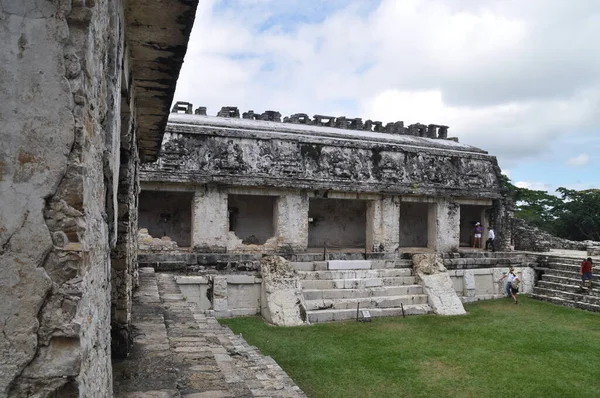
490,240
478,231
586,273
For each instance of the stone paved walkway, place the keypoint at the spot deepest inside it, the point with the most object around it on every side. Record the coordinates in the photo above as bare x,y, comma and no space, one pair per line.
179,353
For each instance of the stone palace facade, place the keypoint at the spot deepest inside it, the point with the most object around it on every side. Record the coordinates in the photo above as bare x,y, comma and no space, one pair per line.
257,184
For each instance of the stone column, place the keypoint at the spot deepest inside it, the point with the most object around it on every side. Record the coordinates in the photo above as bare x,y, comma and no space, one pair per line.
219,298
291,221
210,221
444,226
502,214
383,224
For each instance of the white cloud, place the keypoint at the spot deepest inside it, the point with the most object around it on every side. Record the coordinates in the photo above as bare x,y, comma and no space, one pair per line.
580,160
534,185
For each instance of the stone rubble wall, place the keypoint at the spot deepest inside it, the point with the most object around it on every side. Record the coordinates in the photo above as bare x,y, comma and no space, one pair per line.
530,238
59,175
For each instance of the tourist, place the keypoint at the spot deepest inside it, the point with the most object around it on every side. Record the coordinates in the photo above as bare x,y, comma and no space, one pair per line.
586,273
478,232
510,277
490,240
514,286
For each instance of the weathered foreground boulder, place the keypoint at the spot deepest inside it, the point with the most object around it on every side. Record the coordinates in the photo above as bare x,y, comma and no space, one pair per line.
282,303
437,284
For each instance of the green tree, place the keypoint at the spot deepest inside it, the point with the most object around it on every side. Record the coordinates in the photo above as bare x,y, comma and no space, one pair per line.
535,207
577,217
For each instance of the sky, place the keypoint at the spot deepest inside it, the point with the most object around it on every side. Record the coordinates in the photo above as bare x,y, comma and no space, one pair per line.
519,79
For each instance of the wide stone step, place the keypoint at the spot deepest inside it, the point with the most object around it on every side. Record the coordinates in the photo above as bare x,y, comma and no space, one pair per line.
343,315
559,272
565,280
566,303
357,283
366,302
564,266
354,274
581,297
319,294
569,287
403,263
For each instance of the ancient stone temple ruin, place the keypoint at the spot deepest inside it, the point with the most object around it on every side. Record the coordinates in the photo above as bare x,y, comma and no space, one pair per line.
326,193
85,92
229,185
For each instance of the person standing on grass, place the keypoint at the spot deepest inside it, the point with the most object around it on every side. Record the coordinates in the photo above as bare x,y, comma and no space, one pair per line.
514,286
586,272
490,240
478,231
510,277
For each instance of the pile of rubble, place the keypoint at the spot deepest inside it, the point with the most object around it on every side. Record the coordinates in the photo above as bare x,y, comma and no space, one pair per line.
530,238
148,243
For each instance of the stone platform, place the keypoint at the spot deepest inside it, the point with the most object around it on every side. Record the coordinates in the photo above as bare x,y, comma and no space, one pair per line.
180,353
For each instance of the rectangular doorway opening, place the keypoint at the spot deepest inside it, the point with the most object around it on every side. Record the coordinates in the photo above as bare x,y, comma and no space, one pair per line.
414,229
251,217
469,216
167,214
337,223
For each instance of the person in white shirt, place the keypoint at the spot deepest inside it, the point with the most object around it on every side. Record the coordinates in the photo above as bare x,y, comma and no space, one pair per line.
490,240
510,277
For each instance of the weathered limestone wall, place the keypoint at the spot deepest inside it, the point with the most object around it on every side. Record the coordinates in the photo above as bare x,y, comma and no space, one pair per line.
337,223
483,283
258,153
124,269
59,155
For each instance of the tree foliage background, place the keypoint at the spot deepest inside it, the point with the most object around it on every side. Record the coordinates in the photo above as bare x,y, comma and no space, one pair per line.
573,215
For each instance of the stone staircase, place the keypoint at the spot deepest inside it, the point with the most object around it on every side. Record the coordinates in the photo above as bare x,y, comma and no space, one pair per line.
560,284
333,295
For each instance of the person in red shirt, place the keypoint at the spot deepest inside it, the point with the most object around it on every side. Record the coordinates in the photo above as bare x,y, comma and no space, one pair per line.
586,272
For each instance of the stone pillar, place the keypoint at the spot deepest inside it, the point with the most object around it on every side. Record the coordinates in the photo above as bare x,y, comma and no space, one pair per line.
291,221
444,226
210,221
219,299
502,214
383,224
124,254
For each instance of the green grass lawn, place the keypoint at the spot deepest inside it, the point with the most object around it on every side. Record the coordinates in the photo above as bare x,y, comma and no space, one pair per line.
499,349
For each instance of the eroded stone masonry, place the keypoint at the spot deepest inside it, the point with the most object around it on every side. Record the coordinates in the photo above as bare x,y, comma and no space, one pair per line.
85,89
345,202
257,184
